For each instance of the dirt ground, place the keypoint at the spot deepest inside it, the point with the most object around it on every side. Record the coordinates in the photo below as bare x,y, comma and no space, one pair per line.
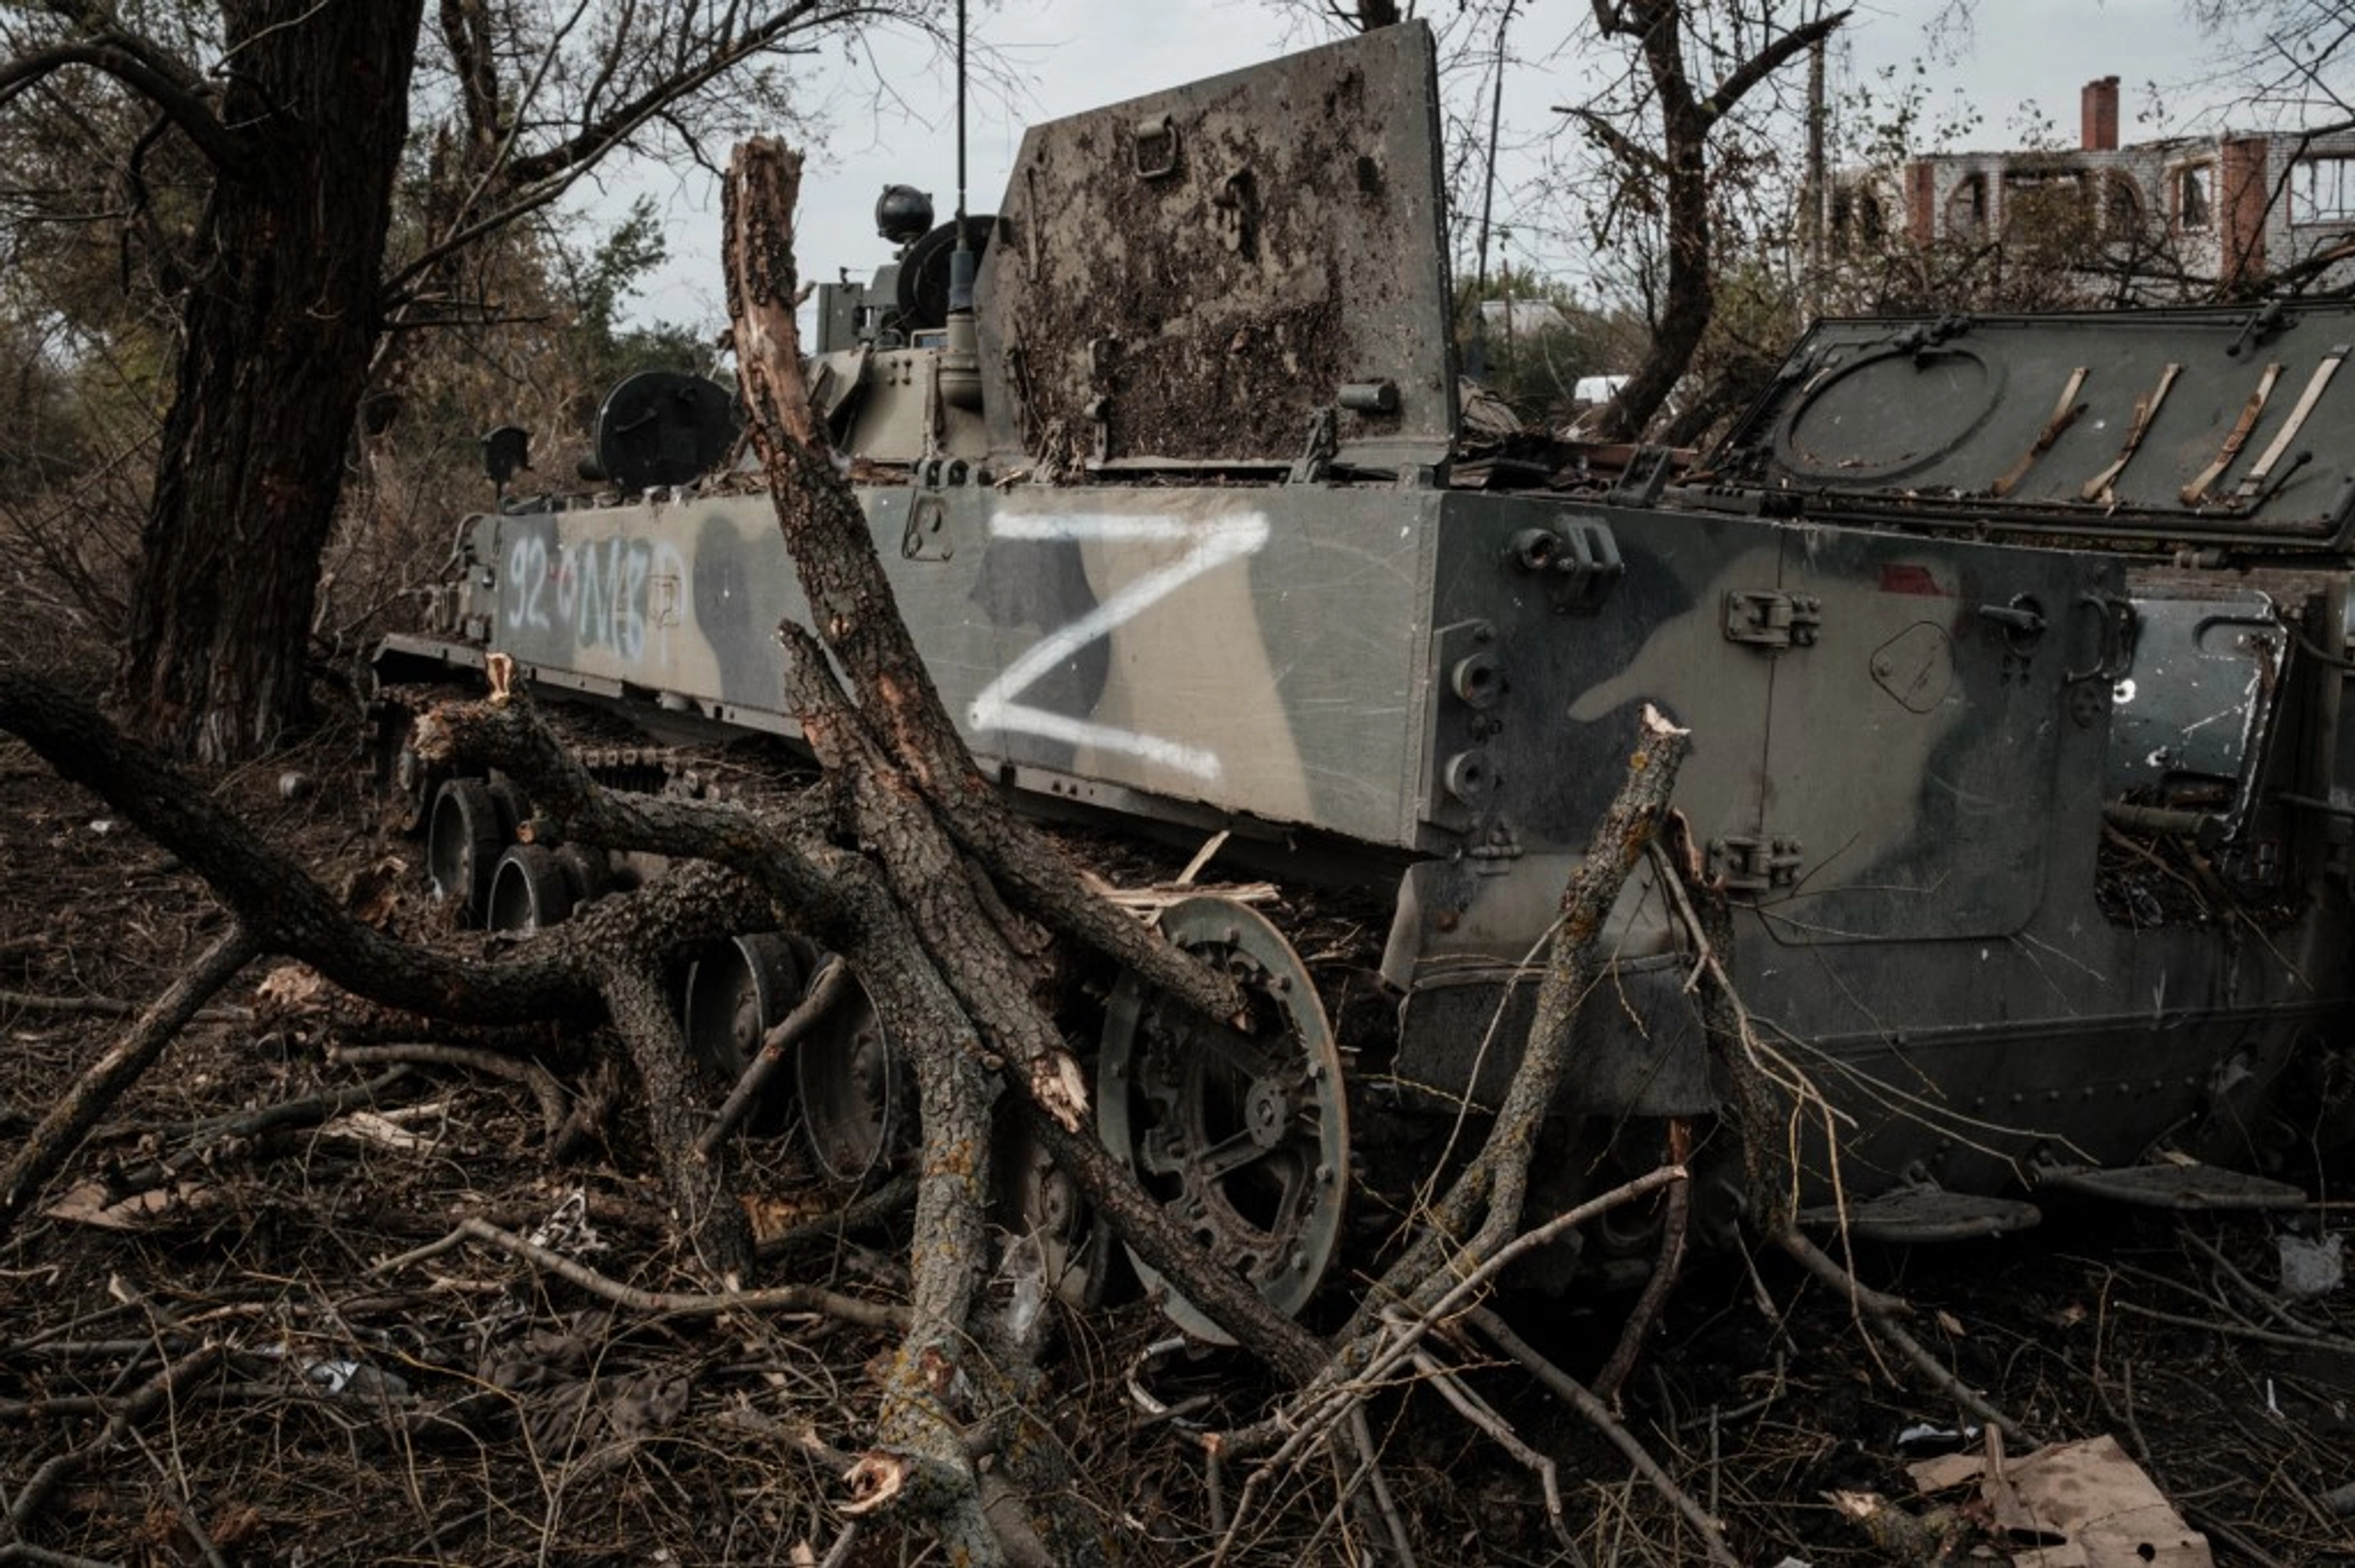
254,1360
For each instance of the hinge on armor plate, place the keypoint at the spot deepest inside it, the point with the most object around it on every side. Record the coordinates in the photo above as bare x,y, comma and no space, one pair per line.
1741,863
1773,620
924,539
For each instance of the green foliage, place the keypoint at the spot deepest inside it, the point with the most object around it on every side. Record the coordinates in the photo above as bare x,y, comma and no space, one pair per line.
609,275
600,281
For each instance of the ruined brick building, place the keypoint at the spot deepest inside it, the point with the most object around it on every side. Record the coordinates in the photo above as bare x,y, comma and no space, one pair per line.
2183,218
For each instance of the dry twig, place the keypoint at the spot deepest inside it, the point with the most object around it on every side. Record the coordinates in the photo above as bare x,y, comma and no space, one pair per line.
111,1007
152,1395
673,1303
1881,1314
1575,1394
516,1070
824,991
46,1148
2242,1330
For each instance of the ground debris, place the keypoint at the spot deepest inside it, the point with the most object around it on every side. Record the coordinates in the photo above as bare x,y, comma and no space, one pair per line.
507,1415
2082,1504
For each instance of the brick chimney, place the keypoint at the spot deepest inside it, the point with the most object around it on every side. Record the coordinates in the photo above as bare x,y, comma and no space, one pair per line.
2099,111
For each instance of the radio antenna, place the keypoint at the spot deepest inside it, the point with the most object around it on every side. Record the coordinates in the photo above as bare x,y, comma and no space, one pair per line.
960,366
961,266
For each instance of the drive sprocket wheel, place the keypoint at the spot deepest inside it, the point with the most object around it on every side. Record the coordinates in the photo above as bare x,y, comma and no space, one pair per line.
1241,1130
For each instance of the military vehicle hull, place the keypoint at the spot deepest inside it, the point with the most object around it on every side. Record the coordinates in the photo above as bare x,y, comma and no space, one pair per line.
2019,746
1915,795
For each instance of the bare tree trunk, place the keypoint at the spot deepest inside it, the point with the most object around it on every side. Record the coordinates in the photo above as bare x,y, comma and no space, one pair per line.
280,322
1679,167
915,796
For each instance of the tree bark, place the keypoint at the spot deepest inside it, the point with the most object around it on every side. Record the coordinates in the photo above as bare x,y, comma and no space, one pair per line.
284,909
278,329
954,994
1481,1209
896,753
852,609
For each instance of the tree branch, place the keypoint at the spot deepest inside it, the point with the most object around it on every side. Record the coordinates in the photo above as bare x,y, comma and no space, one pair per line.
851,605
1739,82
142,71
46,1148
288,912
595,141
1621,145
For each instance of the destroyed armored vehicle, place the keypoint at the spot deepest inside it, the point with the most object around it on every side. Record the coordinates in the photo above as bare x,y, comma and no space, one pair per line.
2014,652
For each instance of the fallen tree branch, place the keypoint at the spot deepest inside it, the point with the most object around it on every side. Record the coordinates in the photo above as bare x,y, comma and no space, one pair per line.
713,1221
554,1107
1469,1233
111,1007
52,1142
275,900
839,897
2265,1300
888,1202
1881,1314
1478,1411
1858,1295
282,1117
824,991
153,1395
2241,1331
1665,1266
1386,1507
851,607
1296,1429
1481,1209
17,1552
672,1303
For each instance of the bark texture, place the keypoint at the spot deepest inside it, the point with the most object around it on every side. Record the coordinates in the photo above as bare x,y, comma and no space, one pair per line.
956,995
596,963
911,788
278,329
1481,1210
852,609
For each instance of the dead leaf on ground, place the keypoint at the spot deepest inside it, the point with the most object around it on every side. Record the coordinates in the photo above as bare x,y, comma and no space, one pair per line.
290,991
373,892
369,1127
2081,1505
89,1204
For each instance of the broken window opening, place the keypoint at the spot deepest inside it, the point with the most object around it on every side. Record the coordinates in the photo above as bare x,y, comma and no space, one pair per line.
1967,207
2322,189
2045,205
2195,204
2121,205
1858,220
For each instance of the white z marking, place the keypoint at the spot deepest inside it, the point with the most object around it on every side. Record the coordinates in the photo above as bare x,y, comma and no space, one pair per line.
1214,544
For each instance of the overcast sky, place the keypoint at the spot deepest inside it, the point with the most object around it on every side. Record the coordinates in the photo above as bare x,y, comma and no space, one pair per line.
2023,59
